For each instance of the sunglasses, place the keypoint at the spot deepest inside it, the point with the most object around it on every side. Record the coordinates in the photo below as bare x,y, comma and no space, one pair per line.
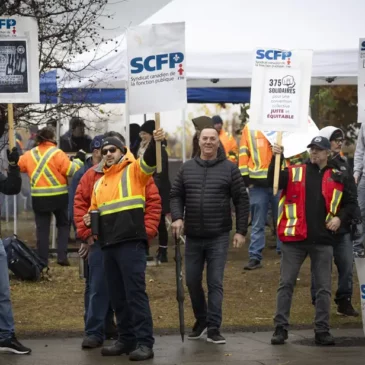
111,150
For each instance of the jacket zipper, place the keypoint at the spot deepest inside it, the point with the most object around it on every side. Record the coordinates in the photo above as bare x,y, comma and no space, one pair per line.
202,199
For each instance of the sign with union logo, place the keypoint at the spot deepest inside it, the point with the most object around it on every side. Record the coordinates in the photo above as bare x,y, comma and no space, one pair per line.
19,73
156,68
280,90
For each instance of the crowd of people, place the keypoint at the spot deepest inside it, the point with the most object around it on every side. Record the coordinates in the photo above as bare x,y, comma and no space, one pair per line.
118,204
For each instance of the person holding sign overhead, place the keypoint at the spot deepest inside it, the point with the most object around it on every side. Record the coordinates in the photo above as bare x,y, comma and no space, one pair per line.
314,203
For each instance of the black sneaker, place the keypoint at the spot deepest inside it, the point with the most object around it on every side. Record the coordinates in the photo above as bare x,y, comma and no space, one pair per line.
253,264
324,339
280,336
12,345
198,331
91,343
214,336
162,255
345,308
117,349
141,353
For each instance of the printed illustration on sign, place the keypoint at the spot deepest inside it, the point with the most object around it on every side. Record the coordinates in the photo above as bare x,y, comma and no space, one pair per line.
13,67
149,69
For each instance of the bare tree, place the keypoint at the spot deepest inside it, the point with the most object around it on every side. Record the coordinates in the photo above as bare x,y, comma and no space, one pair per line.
67,29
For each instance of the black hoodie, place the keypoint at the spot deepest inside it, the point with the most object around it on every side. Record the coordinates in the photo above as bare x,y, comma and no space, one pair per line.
204,188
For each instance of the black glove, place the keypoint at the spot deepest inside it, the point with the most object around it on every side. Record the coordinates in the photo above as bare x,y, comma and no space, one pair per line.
13,156
81,155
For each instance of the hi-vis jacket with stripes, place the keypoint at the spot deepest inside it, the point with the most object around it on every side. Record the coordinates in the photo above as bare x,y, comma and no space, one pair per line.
229,145
292,222
48,168
254,156
119,195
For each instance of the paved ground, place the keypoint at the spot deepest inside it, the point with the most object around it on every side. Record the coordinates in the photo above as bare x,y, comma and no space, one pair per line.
241,348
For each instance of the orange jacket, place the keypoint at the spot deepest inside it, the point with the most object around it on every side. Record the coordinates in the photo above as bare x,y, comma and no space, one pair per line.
48,167
83,200
119,195
255,154
230,146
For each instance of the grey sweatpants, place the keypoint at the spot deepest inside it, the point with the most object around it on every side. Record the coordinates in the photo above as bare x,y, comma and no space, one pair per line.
292,257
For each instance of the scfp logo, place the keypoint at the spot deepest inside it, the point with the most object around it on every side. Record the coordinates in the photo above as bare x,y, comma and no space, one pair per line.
156,62
272,54
363,291
7,23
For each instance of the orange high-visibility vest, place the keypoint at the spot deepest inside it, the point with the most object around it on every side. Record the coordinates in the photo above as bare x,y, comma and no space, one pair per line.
255,154
292,224
230,146
48,168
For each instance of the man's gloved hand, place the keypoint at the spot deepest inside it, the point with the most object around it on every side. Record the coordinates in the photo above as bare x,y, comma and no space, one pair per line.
13,156
81,155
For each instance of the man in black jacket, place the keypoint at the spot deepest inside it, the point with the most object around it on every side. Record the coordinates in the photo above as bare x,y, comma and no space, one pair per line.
203,189
316,201
8,343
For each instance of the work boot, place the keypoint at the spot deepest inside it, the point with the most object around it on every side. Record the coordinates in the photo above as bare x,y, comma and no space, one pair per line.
253,264
13,346
64,262
162,255
141,353
91,342
345,308
117,349
324,339
280,336
199,330
214,336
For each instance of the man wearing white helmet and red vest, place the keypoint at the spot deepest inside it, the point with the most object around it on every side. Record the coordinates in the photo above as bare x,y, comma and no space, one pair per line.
343,250
314,204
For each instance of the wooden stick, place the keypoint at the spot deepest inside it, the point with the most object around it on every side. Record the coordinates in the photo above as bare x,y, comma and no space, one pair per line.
158,145
279,139
11,126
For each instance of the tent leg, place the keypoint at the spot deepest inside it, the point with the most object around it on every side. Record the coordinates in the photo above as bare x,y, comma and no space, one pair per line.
126,119
183,116
53,231
15,214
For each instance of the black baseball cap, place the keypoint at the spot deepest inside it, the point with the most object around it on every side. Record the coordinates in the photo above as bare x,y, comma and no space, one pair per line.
321,142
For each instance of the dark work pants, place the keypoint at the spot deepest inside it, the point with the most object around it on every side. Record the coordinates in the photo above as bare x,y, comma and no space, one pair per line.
212,251
125,266
99,314
163,237
43,223
292,257
343,257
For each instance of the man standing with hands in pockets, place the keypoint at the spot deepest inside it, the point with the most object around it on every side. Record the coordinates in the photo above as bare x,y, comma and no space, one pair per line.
200,198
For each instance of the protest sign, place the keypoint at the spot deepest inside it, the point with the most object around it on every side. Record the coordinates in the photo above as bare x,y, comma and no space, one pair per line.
360,268
280,90
156,68
294,143
361,83
19,73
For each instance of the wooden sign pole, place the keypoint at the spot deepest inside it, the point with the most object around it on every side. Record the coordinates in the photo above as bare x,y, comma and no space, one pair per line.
11,126
279,139
158,145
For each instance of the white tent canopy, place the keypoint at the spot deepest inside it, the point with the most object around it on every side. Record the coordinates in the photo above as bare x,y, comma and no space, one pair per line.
221,37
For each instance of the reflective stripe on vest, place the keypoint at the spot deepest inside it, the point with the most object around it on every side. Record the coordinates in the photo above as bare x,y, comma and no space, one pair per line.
42,168
254,151
291,215
244,170
243,150
281,209
297,174
75,165
335,202
148,170
127,201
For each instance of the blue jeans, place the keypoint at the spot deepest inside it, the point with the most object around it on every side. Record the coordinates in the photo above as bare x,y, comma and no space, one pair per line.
343,257
259,204
125,267
6,313
99,315
213,251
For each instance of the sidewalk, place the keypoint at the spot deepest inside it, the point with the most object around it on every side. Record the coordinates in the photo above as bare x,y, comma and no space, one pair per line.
241,349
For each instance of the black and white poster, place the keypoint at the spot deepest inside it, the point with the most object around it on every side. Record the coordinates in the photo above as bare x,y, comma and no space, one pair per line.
19,70
13,66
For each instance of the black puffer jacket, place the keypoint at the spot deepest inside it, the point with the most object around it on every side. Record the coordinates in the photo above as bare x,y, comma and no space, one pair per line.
205,189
